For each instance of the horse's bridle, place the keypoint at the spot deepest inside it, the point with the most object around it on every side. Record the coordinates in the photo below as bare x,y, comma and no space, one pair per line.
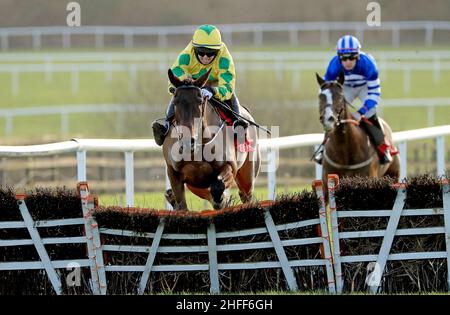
329,104
187,87
339,122
203,104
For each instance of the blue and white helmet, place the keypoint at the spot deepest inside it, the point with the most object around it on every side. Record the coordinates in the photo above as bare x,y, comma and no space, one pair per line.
348,44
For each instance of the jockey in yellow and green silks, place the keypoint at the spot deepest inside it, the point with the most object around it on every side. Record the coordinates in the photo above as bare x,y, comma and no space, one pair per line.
205,51
207,44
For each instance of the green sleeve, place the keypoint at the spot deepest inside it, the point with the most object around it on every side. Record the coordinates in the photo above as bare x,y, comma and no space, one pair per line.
180,67
226,76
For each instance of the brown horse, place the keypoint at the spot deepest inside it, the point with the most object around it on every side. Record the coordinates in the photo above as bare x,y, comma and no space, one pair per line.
348,150
200,150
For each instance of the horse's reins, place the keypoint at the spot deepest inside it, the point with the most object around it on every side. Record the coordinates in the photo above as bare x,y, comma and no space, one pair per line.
346,121
215,136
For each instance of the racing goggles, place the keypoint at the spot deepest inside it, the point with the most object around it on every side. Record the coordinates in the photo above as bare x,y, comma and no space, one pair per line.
200,51
345,57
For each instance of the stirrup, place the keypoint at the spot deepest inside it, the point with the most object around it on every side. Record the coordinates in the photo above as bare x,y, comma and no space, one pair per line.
386,157
318,158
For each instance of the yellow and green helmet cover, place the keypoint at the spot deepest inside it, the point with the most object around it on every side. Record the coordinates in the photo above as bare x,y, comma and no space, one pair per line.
207,36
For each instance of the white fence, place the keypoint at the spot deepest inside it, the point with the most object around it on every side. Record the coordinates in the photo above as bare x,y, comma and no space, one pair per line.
64,111
212,238
96,248
269,147
258,30
329,238
91,237
133,64
392,230
239,56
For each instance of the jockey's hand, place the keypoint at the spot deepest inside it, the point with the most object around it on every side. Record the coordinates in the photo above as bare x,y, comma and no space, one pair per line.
357,116
206,93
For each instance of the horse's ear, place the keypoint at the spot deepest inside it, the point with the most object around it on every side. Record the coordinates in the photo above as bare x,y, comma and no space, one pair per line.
341,78
173,79
200,82
320,80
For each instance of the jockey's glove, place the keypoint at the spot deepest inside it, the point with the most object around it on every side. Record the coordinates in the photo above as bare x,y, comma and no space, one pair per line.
361,112
357,116
206,93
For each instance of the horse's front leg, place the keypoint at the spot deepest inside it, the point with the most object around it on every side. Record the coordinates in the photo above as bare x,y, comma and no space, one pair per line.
178,192
218,186
227,174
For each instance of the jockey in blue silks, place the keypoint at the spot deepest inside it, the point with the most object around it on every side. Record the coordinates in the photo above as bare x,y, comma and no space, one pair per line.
361,80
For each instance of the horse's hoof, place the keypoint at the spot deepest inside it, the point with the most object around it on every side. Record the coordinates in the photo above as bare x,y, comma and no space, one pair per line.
217,206
245,198
217,189
225,201
170,197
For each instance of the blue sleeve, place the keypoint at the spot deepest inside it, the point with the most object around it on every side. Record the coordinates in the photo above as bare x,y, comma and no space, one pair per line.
371,69
373,84
333,70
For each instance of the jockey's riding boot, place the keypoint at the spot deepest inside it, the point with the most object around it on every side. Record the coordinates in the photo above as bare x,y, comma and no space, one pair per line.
376,135
161,127
375,121
236,108
243,144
